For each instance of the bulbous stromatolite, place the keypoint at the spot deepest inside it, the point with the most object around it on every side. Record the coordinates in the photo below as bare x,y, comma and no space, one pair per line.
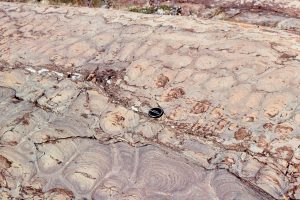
229,92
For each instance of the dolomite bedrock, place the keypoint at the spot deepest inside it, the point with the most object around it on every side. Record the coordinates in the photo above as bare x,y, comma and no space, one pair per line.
76,85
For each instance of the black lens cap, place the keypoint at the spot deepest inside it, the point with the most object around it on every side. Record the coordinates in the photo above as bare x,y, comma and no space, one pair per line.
155,112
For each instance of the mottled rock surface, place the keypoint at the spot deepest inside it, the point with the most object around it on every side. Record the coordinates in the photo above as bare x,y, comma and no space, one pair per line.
76,85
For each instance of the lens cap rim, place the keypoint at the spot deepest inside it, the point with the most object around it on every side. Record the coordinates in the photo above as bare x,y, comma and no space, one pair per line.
156,112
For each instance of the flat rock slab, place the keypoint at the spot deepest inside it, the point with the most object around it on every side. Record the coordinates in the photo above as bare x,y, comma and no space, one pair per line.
76,85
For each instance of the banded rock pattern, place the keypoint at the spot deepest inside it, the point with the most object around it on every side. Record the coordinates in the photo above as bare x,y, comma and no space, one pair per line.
49,155
77,83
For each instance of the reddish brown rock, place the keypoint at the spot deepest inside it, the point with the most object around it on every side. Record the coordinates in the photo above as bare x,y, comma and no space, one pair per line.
284,153
242,134
162,81
4,163
283,129
201,107
174,93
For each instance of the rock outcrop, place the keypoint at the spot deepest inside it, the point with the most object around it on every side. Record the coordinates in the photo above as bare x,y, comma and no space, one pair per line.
76,85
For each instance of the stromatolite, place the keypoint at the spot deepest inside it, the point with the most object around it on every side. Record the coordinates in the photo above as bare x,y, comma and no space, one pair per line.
229,92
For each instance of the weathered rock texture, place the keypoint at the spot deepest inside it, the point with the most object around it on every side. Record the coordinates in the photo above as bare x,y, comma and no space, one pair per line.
77,83
289,7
